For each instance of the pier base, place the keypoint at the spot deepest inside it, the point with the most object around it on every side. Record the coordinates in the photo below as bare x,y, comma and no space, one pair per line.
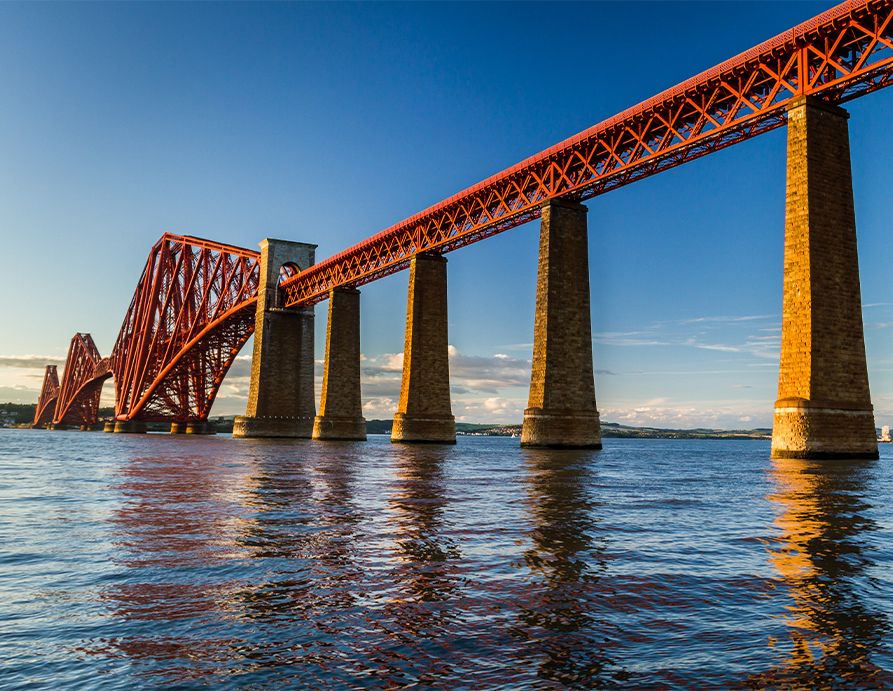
201,427
178,428
108,427
824,406
561,410
130,427
424,413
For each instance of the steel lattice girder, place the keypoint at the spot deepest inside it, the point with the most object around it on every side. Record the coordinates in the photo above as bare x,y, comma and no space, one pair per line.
839,55
191,313
85,373
46,402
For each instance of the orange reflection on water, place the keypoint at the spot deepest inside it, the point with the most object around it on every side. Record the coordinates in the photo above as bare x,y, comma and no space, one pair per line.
820,557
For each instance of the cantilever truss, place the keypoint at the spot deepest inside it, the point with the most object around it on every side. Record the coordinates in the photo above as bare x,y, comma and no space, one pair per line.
839,55
192,312
49,392
85,373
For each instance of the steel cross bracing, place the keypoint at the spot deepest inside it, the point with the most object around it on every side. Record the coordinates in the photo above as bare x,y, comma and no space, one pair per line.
46,403
839,55
85,373
192,312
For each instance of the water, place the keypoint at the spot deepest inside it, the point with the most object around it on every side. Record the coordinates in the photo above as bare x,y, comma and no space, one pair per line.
153,561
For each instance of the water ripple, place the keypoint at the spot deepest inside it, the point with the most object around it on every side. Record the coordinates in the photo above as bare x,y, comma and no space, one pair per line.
167,561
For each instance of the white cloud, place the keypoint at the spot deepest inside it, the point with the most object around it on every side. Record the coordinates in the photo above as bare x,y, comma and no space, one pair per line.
478,384
30,361
686,416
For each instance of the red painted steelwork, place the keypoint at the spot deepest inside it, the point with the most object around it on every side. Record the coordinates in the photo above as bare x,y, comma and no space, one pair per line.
46,403
192,312
85,373
839,55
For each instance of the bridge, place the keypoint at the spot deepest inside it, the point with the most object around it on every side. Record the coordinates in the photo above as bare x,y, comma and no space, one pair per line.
197,302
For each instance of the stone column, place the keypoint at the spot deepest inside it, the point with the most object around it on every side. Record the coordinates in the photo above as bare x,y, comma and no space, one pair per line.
281,397
130,427
561,411
201,427
424,414
824,406
340,407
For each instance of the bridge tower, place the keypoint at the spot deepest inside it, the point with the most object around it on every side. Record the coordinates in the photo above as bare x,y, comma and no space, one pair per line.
824,405
281,396
561,410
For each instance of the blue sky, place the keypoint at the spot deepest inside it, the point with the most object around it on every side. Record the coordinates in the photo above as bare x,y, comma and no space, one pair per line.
326,123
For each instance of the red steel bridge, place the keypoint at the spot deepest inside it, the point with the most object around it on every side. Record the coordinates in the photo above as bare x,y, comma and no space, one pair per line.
194,305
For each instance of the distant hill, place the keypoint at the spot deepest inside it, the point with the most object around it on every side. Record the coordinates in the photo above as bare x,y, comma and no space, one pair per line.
609,430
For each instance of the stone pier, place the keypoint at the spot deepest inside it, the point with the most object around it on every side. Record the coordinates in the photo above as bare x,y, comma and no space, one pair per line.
281,396
561,411
424,413
201,427
824,405
178,427
340,408
130,427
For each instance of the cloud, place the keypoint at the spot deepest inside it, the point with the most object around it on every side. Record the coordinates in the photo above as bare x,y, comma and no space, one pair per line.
687,416
629,338
488,374
241,367
725,319
745,335
718,347
30,361
18,394
477,385
381,407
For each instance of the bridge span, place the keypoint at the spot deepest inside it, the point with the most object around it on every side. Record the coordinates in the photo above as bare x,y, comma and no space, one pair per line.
198,301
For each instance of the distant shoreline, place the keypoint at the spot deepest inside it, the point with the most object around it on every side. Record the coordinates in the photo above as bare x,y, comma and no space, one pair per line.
610,430
20,415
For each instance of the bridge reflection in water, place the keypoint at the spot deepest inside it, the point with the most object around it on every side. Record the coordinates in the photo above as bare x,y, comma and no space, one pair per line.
823,557
380,564
565,562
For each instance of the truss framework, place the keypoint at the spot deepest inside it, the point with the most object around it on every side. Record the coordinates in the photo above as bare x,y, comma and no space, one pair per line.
85,373
191,313
46,403
839,55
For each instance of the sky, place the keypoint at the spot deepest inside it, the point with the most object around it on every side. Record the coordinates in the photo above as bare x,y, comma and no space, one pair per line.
327,123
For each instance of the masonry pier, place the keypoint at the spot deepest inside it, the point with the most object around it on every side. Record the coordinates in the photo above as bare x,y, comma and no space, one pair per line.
340,407
281,396
561,411
424,413
130,427
824,405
